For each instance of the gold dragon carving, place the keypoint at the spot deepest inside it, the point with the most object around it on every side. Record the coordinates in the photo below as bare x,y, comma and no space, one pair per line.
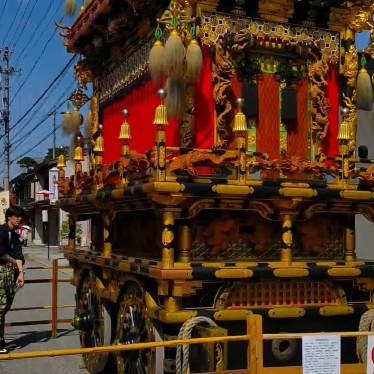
351,66
222,73
320,107
83,73
351,120
187,124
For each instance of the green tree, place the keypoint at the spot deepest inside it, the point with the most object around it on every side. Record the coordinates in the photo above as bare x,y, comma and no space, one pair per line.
49,155
26,162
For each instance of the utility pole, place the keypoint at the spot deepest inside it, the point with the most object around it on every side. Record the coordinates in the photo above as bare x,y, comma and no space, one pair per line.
6,72
54,136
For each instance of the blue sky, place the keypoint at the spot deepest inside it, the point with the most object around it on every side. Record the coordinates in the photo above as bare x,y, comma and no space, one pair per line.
27,27
31,35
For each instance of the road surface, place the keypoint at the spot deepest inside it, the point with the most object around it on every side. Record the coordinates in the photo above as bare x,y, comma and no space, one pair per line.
38,337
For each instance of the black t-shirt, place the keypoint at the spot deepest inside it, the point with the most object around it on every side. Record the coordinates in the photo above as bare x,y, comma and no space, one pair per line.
10,243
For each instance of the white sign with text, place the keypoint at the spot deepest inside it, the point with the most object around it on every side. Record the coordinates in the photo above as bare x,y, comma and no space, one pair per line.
5,204
370,355
321,354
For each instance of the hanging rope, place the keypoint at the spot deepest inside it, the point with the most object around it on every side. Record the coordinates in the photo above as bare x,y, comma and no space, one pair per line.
366,321
183,353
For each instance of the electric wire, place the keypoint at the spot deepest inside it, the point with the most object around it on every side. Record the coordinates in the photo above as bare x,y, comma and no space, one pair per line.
60,102
17,27
11,26
31,148
34,66
32,35
53,89
43,94
3,9
24,25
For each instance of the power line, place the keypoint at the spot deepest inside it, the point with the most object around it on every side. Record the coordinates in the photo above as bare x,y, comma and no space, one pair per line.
58,105
14,18
33,67
20,22
25,24
39,142
42,103
3,9
44,93
36,40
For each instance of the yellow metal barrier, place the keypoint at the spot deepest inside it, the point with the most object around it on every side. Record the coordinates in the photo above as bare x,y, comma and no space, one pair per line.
255,349
54,321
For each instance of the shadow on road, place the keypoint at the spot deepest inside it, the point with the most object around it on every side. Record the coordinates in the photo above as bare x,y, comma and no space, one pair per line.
30,337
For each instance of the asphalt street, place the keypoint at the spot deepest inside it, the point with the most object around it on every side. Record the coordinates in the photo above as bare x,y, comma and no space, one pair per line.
38,337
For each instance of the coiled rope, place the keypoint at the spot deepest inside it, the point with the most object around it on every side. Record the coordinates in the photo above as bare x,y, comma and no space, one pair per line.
366,321
183,353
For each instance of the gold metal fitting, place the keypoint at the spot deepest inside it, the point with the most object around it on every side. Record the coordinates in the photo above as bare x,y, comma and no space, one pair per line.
61,163
344,128
99,144
125,133
161,114
240,123
78,154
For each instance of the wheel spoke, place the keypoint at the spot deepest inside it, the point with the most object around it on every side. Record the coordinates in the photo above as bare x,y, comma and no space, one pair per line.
133,328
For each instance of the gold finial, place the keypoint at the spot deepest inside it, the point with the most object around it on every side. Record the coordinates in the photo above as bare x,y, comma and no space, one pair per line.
78,153
344,128
161,115
240,123
125,133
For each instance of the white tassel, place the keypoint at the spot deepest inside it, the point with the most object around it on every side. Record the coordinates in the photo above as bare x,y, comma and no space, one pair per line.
88,125
66,123
176,97
174,55
194,60
70,8
364,98
156,62
76,119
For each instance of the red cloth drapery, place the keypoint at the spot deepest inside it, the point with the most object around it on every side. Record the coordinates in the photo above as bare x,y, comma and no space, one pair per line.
142,102
297,138
268,121
331,142
204,107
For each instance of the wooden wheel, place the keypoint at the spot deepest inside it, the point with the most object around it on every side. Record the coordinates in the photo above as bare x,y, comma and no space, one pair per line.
134,326
94,322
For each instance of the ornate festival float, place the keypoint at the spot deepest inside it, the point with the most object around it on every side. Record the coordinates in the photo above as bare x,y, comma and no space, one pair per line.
229,181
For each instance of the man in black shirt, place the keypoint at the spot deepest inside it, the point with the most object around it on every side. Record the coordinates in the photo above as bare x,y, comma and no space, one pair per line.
11,265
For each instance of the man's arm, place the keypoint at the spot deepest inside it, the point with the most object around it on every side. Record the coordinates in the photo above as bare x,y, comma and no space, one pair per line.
11,260
4,239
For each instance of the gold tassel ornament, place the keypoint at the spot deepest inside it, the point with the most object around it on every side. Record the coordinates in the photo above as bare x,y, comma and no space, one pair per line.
364,98
87,3
70,8
99,144
240,122
174,55
161,113
176,97
194,61
76,119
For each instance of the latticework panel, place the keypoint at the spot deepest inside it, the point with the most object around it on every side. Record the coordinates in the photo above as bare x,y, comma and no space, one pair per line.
273,294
